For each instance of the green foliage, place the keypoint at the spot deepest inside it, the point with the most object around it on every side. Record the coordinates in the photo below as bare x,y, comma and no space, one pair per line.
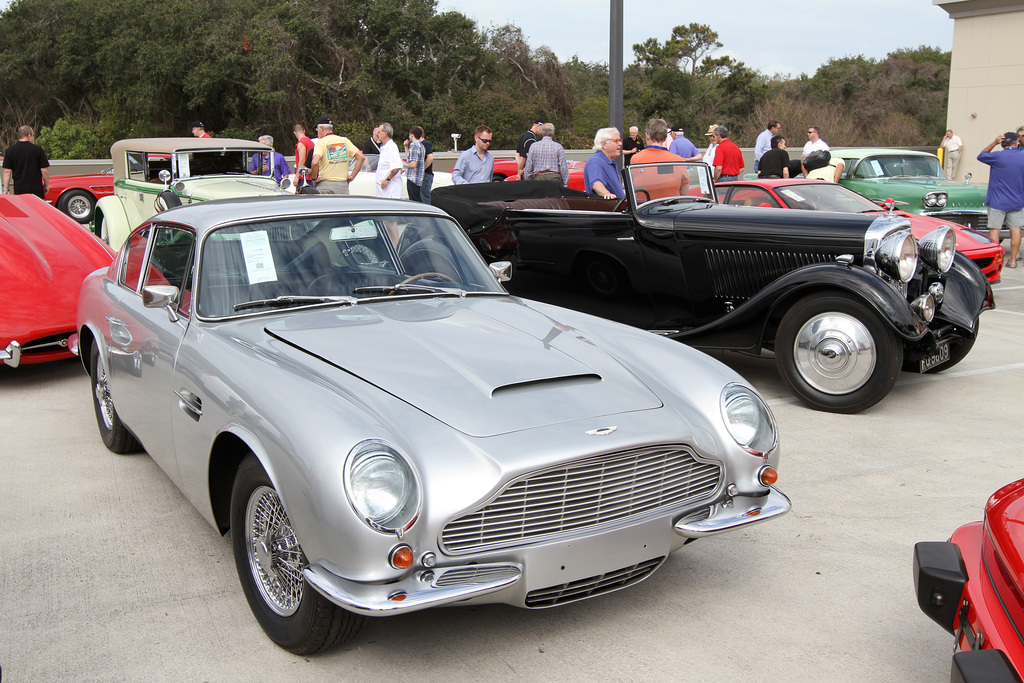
74,140
86,73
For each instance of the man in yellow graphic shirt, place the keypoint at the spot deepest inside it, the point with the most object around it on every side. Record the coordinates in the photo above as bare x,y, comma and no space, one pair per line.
331,156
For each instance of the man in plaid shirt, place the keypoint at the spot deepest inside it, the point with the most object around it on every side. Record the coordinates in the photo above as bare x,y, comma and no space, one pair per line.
546,159
416,163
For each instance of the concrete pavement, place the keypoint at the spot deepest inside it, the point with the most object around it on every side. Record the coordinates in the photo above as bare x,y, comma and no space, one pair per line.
108,573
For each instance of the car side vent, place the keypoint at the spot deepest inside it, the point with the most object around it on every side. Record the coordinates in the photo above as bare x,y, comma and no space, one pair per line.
559,382
740,274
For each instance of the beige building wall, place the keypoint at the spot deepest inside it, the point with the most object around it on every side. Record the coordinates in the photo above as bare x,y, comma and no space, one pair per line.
986,79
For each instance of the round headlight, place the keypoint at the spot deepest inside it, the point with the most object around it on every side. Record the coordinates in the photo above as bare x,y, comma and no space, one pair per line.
748,419
924,306
935,199
938,247
897,255
382,487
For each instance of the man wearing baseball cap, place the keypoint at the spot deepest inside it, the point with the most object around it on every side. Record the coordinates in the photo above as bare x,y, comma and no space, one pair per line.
331,156
682,146
526,141
1005,199
199,130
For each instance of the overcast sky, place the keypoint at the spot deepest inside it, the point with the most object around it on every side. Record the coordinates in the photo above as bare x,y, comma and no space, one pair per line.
780,36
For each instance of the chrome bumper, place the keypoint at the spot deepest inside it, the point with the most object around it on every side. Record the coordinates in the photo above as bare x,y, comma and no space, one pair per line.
728,518
12,354
424,588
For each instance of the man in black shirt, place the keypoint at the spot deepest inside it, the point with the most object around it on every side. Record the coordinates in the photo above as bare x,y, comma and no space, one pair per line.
27,163
523,147
775,162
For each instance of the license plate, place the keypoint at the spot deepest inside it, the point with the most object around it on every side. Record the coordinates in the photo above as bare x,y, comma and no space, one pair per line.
929,362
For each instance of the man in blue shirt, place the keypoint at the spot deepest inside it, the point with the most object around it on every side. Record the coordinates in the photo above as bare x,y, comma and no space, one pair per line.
682,146
270,162
1005,199
601,174
475,165
764,142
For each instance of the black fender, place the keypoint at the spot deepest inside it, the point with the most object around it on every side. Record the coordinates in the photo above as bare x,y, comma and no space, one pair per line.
751,326
968,293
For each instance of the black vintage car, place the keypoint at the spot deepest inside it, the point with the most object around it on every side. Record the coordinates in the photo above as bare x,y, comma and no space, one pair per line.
844,300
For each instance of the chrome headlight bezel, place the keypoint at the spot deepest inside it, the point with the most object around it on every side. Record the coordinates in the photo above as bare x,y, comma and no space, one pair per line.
935,200
897,255
748,420
938,248
383,487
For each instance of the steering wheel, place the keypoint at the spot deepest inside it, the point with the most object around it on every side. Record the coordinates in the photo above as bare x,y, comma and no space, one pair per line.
413,278
325,285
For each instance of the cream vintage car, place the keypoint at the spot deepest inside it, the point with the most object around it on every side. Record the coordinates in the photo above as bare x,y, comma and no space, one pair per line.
196,170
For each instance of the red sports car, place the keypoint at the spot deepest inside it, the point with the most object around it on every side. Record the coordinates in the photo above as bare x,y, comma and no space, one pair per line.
506,169
824,196
973,586
43,262
76,195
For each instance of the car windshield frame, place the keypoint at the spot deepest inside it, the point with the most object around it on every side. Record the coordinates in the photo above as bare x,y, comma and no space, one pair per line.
274,264
671,181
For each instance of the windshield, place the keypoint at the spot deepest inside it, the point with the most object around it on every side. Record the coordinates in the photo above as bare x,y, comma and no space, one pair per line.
824,197
342,258
899,165
649,182
213,162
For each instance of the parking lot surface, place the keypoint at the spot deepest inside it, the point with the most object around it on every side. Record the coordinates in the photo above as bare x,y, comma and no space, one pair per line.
108,573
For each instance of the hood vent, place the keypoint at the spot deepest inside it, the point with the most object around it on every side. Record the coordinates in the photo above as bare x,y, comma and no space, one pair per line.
570,380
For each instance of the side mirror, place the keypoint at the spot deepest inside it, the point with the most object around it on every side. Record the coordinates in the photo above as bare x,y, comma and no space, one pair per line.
165,176
161,296
502,270
968,176
287,184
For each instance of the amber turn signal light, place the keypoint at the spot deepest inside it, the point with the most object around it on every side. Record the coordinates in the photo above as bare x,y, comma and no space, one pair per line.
767,476
401,557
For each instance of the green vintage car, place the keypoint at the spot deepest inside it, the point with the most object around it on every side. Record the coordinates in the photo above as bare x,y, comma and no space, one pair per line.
916,178
197,169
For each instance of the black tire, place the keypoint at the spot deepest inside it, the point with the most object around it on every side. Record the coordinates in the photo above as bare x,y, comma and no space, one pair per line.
78,204
823,366
498,178
290,611
115,435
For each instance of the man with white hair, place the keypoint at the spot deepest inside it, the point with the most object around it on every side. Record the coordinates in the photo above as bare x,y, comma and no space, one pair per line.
269,163
331,154
389,166
600,174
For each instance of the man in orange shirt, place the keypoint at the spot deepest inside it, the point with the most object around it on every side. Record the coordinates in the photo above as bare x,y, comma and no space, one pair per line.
656,151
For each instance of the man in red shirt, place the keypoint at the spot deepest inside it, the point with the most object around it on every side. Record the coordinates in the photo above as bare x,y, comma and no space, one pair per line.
303,147
728,157
199,130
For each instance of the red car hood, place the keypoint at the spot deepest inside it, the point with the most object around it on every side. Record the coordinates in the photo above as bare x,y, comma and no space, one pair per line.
44,257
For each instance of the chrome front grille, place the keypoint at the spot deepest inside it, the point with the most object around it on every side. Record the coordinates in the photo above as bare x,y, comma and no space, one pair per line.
595,585
739,274
585,494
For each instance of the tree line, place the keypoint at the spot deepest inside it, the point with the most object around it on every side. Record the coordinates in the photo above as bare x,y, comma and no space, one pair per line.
86,73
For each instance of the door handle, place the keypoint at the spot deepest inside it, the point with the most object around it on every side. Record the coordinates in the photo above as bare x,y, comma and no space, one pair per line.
190,404
119,331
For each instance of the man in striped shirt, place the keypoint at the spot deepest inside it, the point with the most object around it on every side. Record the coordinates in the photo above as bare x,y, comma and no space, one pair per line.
546,159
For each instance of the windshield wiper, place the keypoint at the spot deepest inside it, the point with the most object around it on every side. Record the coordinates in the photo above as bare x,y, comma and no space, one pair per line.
284,301
409,289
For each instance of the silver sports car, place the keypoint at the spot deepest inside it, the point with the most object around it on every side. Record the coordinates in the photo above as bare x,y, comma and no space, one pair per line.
344,384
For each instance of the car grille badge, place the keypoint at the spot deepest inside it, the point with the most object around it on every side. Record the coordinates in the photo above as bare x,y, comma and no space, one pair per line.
601,431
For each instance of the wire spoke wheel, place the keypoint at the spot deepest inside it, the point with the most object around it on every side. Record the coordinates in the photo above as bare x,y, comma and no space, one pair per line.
275,558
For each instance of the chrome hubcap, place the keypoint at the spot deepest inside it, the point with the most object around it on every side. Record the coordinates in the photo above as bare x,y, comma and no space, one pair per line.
275,558
78,207
835,353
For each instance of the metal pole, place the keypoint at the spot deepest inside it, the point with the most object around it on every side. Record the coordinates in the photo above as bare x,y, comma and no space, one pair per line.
615,114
